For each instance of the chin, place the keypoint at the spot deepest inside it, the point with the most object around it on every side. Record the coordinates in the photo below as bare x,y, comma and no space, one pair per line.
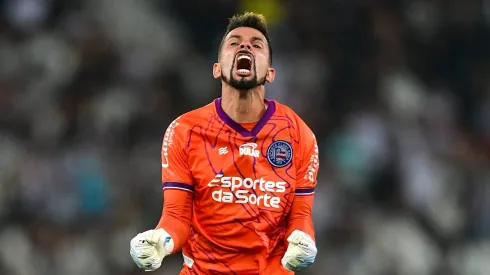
243,86
242,83
245,80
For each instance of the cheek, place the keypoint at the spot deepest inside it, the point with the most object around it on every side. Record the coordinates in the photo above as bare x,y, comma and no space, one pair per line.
226,62
262,65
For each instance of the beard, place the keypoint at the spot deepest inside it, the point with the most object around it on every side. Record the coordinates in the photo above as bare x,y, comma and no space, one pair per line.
242,84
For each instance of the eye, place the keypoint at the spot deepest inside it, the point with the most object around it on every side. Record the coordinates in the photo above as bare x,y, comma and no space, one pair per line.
257,46
233,43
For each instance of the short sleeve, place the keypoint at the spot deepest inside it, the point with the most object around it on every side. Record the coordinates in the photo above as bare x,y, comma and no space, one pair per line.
308,163
175,169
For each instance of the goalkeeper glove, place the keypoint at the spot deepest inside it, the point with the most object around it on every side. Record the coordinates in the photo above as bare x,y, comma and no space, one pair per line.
301,252
150,247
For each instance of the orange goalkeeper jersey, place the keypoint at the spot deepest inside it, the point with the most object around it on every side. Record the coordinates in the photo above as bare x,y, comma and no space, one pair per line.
242,180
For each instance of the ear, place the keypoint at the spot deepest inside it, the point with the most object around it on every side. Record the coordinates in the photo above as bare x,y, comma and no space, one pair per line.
271,74
217,70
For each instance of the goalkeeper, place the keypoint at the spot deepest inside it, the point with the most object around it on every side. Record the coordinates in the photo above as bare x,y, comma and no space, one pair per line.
238,174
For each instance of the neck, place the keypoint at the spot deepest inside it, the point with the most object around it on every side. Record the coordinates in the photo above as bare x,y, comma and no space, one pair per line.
243,106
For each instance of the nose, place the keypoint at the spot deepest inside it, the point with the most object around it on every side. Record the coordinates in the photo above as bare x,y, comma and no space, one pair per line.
245,45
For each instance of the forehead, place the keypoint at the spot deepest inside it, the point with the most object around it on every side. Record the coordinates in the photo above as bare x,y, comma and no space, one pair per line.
246,33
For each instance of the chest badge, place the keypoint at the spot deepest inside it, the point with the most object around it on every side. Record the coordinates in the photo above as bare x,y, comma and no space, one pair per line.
280,153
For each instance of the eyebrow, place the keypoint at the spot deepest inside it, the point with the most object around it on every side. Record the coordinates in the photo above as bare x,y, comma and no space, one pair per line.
254,38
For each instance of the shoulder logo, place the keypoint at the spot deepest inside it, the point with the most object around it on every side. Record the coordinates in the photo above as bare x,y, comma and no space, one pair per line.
313,166
248,149
167,142
280,153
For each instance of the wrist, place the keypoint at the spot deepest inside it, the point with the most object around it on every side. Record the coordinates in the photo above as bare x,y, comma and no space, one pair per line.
166,241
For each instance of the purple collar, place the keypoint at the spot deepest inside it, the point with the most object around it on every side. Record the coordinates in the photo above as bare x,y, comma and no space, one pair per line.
239,128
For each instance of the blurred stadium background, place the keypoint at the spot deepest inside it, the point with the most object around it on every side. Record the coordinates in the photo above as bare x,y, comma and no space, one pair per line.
397,91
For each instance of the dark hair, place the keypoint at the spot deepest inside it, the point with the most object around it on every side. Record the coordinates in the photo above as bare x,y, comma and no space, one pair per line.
252,20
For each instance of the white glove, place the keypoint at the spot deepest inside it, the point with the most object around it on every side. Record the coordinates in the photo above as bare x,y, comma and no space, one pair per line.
150,247
301,252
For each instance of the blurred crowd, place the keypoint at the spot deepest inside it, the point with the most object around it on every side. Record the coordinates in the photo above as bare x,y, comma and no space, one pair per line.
397,92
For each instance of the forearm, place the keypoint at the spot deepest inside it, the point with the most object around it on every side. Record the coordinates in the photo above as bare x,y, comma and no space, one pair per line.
176,216
300,217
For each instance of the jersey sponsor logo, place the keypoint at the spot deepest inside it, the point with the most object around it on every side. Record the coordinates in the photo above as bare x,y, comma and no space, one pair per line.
248,149
243,190
280,153
167,142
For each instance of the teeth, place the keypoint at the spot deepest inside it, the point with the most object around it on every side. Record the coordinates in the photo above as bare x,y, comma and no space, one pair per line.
244,71
244,56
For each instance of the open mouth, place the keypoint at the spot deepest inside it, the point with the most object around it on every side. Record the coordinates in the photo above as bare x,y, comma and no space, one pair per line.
244,64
